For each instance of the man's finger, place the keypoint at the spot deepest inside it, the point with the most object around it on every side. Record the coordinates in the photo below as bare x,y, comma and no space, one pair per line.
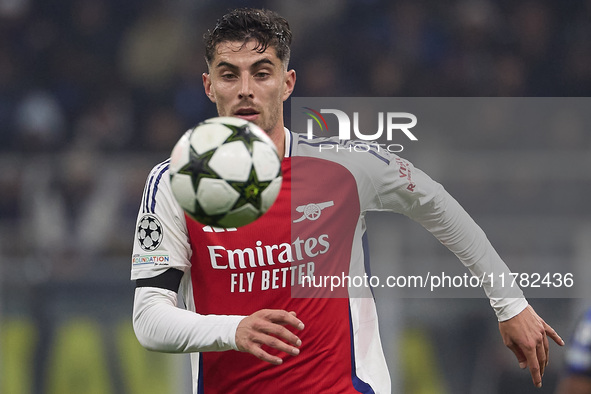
282,333
547,349
521,359
276,343
553,334
285,318
261,354
273,321
534,366
541,353
267,328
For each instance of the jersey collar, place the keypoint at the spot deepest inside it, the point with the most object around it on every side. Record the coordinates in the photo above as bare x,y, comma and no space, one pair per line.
288,142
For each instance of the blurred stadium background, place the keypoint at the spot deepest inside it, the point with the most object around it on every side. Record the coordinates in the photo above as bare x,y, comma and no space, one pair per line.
95,92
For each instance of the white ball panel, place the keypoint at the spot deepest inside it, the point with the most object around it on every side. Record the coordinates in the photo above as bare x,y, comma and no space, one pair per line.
215,196
231,120
261,134
269,195
265,161
240,216
232,161
180,154
182,188
209,136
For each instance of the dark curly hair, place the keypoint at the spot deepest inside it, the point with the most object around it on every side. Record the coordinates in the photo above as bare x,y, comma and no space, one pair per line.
265,27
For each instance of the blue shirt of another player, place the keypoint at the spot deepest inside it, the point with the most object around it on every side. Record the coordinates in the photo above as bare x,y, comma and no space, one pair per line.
578,356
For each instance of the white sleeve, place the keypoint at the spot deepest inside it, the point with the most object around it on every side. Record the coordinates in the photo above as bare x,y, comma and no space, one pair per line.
413,193
161,243
161,240
445,218
161,326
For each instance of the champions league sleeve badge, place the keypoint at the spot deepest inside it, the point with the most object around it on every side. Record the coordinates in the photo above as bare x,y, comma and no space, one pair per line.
149,233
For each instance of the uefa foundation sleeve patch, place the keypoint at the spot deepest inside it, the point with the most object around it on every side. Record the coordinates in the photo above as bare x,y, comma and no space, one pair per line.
149,232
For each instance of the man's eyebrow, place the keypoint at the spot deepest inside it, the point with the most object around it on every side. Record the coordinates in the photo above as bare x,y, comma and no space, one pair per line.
256,64
226,64
261,62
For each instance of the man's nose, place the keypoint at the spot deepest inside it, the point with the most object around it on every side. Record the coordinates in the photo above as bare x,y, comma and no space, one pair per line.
245,88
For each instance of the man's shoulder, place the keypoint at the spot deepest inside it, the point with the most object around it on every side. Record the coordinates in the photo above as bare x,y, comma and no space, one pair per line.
347,152
158,176
160,169
157,185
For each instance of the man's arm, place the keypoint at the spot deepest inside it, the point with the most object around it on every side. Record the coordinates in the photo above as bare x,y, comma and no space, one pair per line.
162,326
266,327
416,195
527,336
522,330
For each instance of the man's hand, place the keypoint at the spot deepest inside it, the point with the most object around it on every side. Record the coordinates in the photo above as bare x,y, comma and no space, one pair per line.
527,336
266,327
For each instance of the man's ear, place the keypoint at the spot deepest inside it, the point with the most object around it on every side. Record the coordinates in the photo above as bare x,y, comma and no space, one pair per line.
207,87
290,79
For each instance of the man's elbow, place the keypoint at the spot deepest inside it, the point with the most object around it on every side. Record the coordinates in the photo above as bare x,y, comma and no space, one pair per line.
142,334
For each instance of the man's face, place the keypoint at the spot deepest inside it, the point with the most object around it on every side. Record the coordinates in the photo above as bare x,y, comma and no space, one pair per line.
250,85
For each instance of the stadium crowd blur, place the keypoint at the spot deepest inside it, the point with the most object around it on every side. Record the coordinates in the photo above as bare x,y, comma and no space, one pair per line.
94,92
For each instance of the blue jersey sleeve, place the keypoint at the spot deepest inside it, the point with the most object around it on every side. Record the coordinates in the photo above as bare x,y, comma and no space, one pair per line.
578,356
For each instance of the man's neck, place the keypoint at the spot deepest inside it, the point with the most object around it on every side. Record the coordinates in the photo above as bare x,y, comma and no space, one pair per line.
278,138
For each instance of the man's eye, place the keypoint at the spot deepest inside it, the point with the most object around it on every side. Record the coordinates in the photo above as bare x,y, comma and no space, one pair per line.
262,74
228,76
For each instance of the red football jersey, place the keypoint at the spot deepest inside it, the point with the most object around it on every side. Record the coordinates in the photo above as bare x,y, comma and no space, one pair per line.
288,259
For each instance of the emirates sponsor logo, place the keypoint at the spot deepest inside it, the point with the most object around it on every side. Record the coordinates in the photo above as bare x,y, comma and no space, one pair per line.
267,255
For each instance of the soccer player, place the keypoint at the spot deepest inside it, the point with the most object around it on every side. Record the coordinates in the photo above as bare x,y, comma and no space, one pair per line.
577,379
244,328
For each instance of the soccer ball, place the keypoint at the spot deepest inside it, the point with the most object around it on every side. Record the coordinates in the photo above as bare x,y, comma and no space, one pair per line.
225,172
